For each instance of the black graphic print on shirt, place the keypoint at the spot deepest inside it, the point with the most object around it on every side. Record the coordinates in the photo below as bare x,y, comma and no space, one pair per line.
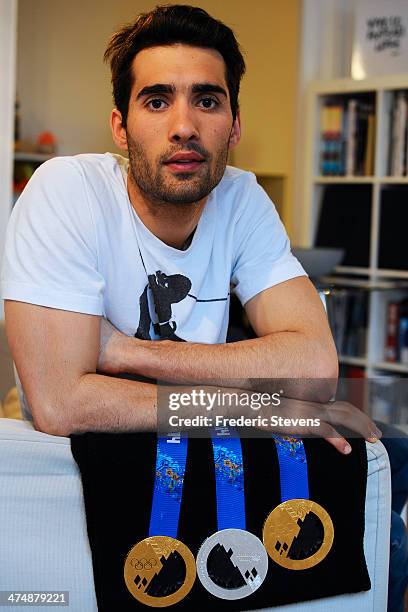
166,290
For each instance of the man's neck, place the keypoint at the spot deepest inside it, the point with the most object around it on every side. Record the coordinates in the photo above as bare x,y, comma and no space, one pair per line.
173,224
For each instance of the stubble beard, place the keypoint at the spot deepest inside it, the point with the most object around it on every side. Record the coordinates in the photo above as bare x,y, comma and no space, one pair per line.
182,189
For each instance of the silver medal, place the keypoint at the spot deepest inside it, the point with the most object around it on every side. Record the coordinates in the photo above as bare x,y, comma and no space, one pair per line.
232,563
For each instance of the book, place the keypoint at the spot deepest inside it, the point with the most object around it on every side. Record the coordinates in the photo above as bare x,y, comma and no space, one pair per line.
347,314
403,332
381,398
391,335
396,333
351,136
403,339
331,138
347,132
398,138
337,314
370,145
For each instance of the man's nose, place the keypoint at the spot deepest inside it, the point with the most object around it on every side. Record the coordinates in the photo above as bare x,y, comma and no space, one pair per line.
183,126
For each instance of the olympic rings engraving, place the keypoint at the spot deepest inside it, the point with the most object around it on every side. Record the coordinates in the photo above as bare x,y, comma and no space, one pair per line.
143,563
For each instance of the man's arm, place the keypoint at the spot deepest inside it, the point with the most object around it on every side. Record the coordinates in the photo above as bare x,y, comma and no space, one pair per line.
56,354
294,342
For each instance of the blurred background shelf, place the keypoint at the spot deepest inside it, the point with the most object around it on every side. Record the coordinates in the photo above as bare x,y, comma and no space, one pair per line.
355,198
31,157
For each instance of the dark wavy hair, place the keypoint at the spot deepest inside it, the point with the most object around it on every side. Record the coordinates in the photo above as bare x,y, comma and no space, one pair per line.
167,25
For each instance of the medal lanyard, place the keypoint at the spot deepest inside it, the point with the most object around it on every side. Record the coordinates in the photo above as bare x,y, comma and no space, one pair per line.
298,533
292,467
168,485
229,481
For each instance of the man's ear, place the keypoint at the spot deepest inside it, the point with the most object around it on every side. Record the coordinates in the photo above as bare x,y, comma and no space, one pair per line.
235,135
118,131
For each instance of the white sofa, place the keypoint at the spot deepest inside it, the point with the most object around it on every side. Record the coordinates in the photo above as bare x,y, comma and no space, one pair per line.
43,538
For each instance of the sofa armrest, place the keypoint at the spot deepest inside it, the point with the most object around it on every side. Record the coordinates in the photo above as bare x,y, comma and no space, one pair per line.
43,538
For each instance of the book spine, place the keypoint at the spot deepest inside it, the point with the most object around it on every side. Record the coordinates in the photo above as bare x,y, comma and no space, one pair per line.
351,137
398,135
324,117
339,140
401,131
392,333
370,145
361,137
406,137
403,339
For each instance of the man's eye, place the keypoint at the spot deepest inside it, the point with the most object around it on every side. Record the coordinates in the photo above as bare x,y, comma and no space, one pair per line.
208,102
156,104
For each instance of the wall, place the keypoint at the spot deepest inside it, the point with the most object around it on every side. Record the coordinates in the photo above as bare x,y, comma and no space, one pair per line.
8,18
326,37
64,86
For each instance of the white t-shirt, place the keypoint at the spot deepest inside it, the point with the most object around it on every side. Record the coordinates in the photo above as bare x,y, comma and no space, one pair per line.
74,242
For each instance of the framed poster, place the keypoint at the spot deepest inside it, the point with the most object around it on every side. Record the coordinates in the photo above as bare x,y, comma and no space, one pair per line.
380,38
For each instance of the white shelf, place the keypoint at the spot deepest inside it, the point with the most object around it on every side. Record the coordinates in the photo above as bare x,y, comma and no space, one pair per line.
356,361
362,362
393,180
392,273
360,180
354,270
343,180
369,284
391,367
372,272
350,86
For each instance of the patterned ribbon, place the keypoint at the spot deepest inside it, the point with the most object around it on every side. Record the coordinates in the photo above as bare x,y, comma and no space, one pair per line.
292,467
229,479
168,485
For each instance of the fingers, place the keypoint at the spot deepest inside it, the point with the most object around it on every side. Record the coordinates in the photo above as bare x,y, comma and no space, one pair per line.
328,433
325,431
330,416
347,415
340,444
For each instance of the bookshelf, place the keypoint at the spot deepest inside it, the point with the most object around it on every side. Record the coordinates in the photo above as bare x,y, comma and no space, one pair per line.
25,163
355,196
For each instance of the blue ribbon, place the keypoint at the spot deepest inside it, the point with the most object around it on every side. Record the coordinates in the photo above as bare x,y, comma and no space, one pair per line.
293,468
168,485
229,480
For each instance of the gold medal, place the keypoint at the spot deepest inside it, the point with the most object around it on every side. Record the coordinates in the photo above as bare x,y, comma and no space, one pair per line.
298,534
159,571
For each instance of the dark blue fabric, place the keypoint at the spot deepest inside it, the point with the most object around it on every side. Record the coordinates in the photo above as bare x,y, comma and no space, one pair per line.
398,578
396,443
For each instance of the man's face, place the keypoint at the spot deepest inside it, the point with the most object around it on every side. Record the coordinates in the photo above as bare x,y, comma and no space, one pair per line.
179,125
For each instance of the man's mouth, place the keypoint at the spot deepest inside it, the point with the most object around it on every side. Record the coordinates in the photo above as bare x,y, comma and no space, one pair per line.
185,162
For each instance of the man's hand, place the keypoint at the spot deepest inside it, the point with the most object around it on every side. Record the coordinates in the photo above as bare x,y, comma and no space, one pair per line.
330,415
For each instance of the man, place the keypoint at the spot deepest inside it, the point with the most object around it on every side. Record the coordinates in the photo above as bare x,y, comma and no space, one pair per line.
109,265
